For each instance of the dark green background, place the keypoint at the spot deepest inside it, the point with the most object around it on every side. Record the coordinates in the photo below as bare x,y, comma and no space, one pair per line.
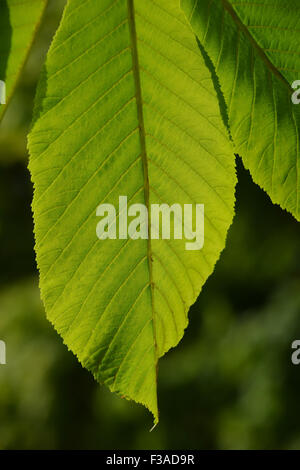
230,383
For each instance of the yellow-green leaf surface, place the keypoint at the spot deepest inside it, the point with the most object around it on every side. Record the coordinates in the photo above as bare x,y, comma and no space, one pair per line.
255,51
19,21
126,106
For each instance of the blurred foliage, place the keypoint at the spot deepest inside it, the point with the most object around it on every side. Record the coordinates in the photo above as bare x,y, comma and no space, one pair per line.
230,384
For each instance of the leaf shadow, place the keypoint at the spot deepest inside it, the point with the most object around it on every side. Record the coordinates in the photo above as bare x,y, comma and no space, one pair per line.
217,86
41,93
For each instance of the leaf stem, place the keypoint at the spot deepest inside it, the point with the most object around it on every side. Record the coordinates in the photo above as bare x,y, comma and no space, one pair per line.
140,115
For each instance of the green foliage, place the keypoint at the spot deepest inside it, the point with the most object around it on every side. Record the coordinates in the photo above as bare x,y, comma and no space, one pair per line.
131,103
254,52
229,383
148,126
19,22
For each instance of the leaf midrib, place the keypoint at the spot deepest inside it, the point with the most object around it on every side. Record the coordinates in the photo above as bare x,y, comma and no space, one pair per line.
228,7
142,134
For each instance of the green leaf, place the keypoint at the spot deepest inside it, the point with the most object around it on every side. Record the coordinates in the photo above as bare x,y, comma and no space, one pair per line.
19,22
126,106
254,49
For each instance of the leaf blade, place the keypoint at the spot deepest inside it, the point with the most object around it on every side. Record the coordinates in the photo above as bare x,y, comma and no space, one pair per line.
137,133
17,39
256,88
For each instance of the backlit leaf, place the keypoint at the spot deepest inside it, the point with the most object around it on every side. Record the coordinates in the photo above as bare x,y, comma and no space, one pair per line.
254,49
19,21
126,106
